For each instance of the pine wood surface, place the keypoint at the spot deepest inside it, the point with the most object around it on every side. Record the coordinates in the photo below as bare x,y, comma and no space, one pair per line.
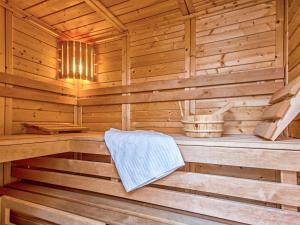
235,151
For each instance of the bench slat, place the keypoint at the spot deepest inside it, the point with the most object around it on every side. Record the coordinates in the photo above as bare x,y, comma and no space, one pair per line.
46,213
213,153
214,207
101,208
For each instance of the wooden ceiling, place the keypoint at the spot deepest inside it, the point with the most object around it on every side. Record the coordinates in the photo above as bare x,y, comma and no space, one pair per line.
91,20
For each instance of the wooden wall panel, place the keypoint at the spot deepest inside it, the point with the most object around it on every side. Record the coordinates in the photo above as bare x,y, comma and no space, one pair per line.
108,74
241,37
294,53
34,55
157,52
226,37
34,51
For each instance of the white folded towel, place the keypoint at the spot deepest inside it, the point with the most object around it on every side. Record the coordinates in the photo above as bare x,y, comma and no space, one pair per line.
142,157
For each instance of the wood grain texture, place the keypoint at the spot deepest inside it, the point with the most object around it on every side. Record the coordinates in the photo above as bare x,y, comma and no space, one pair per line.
293,12
276,111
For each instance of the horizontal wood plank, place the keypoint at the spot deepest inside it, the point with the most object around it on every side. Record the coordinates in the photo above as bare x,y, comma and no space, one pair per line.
193,203
203,93
14,92
199,81
22,151
34,84
237,187
46,213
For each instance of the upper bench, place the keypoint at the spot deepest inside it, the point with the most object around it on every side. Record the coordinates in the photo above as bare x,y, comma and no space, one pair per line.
17,147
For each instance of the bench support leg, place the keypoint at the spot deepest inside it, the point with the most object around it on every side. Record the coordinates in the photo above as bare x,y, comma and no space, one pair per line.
289,177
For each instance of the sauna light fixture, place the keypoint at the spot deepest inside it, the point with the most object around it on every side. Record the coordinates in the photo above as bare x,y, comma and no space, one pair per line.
77,61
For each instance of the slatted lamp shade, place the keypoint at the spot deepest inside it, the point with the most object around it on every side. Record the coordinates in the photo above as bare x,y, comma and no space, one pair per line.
77,61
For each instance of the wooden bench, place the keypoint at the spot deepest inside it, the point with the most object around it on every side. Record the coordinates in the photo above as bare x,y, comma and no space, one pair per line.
22,198
243,199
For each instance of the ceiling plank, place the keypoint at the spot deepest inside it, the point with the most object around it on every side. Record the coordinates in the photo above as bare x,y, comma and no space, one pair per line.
186,7
101,9
183,8
190,6
34,21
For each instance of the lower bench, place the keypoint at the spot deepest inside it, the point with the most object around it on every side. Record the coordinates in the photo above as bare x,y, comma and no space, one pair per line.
40,211
41,205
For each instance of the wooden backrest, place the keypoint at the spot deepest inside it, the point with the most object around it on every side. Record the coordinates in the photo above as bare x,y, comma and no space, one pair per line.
285,106
29,89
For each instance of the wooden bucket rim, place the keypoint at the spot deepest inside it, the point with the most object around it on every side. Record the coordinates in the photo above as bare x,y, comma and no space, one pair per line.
203,122
203,131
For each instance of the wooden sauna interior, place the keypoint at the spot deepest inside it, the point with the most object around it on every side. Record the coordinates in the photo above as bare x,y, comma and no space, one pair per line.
148,55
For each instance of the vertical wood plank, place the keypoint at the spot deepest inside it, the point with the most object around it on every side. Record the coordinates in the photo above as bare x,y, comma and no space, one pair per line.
2,69
280,36
289,177
79,115
193,166
1,205
286,39
77,84
8,68
75,114
126,108
8,101
3,213
190,70
128,80
193,59
7,216
187,60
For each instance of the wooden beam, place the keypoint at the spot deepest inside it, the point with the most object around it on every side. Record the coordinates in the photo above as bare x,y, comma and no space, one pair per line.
101,9
186,7
34,21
